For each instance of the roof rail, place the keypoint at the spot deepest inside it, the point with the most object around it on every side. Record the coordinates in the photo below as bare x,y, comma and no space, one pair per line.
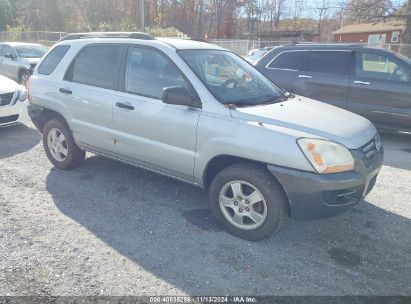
325,44
130,35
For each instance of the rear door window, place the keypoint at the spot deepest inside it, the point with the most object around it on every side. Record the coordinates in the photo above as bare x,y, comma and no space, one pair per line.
96,65
330,62
52,60
291,60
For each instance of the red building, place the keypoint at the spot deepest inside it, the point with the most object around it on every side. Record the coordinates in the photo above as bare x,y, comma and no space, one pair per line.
372,34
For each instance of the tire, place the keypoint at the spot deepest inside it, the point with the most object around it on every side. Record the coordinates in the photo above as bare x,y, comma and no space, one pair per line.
65,155
24,76
255,180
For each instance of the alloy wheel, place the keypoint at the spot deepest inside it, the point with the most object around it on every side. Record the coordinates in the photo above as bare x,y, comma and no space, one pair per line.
57,144
243,205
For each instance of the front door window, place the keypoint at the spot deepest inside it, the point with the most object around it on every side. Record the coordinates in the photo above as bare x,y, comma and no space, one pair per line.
374,66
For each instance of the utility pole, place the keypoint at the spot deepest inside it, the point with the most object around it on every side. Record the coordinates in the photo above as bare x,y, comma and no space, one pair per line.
143,13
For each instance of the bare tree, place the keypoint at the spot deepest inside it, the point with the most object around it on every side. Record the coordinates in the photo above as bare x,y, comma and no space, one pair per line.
367,10
295,9
323,10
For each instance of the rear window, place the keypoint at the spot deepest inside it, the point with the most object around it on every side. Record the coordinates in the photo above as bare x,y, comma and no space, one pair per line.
96,66
331,62
53,59
290,60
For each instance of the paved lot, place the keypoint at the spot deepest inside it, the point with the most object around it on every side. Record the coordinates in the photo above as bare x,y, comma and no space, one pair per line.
107,228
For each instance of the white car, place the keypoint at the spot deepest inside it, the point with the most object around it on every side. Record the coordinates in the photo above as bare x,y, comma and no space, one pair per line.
13,105
254,55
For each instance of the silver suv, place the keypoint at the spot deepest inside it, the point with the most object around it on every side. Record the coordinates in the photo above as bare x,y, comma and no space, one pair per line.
198,113
18,59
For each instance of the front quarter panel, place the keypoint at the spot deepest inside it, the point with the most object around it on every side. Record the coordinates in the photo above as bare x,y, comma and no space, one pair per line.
225,135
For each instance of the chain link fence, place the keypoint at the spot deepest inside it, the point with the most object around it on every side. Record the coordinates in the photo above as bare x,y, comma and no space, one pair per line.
46,38
241,47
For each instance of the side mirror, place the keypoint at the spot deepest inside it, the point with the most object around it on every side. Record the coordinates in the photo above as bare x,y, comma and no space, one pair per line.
180,96
9,56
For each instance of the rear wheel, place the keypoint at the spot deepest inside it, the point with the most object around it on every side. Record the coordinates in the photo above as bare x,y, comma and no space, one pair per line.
247,201
60,147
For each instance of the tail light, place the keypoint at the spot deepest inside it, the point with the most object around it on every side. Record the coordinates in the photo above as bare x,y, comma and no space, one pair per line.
28,90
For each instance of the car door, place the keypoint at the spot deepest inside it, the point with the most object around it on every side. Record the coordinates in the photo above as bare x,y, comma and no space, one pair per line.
381,89
9,66
88,93
149,132
283,67
326,77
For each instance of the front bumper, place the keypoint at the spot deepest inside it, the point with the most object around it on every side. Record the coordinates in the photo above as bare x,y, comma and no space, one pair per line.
314,196
13,114
35,114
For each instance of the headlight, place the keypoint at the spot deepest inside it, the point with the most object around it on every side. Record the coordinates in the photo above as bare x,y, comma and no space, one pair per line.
22,94
326,156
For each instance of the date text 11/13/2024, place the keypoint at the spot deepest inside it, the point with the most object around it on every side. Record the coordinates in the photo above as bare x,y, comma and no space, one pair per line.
203,299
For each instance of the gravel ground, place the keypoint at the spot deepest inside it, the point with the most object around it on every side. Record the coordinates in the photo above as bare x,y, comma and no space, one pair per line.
110,229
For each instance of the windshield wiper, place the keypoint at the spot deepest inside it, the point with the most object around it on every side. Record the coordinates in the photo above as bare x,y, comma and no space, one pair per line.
270,100
273,99
288,96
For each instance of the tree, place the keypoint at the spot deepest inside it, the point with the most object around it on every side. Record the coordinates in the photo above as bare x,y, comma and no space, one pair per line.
367,10
323,12
295,10
407,32
6,14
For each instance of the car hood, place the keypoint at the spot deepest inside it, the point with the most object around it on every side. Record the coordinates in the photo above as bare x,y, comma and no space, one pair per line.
313,117
7,85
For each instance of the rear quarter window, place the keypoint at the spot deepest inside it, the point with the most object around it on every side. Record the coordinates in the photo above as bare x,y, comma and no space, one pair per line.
53,59
290,60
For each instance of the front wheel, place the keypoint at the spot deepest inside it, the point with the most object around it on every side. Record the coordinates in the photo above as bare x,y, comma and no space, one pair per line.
247,201
60,147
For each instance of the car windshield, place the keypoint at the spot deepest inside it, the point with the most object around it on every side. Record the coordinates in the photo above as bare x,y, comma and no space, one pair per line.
30,51
231,79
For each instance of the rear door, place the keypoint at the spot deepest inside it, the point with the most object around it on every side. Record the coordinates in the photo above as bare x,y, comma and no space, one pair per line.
381,89
89,91
326,77
283,68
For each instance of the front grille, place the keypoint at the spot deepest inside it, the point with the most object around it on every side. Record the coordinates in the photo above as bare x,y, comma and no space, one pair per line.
6,99
370,151
9,119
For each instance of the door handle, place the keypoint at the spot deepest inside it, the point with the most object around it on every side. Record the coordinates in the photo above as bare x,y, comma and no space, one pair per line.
124,106
66,91
305,76
362,82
